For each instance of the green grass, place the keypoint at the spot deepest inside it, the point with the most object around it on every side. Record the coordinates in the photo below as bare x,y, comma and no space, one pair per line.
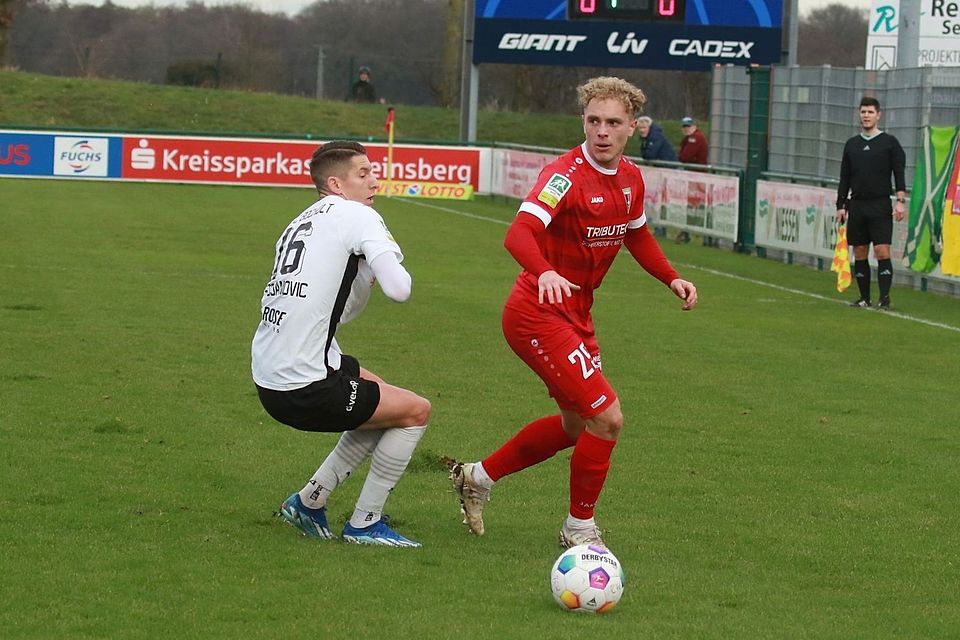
788,467
30,100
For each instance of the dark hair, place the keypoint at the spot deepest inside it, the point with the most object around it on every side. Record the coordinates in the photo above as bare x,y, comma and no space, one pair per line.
332,159
869,101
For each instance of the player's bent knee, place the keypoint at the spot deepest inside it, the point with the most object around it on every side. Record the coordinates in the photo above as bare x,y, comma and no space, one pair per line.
607,425
422,412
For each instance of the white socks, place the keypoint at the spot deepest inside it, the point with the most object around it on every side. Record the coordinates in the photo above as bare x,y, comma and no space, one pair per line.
578,524
480,476
390,460
351,450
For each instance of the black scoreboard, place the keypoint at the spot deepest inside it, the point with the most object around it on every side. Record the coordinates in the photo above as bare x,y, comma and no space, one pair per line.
691,35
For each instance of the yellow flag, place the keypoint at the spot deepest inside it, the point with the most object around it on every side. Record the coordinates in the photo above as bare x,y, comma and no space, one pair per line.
841,261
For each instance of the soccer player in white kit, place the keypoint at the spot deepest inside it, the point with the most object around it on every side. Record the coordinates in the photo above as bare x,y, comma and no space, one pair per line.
326,262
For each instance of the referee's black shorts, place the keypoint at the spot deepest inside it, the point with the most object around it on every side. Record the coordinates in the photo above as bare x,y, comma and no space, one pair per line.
870,221
340,402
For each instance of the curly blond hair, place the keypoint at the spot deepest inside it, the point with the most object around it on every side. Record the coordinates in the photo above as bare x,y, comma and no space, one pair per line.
610,88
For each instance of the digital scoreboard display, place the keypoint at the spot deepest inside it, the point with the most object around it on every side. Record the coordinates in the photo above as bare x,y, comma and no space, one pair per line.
688,35
637,10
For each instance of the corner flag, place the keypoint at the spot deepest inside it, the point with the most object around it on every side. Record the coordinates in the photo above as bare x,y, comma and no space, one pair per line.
841,260
388,127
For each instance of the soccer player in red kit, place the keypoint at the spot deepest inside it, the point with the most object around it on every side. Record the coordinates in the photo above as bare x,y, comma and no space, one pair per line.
585,206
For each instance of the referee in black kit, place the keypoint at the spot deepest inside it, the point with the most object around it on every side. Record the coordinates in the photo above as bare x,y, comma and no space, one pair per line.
868,160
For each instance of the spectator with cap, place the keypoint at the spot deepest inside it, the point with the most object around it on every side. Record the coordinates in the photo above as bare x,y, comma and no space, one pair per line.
362,90
693,147
653,144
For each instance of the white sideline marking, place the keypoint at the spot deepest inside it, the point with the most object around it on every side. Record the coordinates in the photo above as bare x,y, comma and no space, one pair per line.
799,292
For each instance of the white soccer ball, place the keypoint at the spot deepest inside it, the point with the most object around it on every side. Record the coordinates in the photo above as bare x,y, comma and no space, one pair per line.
587,578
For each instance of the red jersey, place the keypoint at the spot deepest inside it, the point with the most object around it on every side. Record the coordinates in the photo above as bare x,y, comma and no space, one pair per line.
587,210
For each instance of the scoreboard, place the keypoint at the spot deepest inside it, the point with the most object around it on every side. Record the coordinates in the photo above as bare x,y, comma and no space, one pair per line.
689,35
638,10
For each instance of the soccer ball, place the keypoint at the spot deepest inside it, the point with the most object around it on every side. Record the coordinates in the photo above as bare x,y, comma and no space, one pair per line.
587,578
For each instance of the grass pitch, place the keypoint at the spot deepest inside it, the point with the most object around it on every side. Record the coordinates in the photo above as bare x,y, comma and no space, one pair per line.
788,468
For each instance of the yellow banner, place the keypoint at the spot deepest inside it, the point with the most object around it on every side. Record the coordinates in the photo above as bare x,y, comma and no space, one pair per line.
411,189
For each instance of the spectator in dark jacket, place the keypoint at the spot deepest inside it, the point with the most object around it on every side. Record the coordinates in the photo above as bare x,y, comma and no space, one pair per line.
693,147
362,90
653,144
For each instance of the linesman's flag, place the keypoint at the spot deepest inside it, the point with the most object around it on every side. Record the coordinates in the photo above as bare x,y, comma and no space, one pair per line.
841,260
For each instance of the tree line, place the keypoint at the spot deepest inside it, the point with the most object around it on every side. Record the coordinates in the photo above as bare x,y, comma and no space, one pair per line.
411,46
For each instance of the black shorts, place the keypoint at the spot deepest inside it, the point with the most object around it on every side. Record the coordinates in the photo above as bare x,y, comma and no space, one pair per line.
869,221
340,402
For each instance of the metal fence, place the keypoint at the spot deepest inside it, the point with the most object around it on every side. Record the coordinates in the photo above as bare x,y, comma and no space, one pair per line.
813,112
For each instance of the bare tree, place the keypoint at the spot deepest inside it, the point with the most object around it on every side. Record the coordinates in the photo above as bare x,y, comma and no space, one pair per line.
8,10
835,34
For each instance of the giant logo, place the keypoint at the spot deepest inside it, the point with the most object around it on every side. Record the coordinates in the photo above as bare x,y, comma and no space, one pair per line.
81,157
539,41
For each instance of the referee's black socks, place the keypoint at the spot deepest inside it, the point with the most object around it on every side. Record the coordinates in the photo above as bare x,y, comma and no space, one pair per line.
884,276
861,271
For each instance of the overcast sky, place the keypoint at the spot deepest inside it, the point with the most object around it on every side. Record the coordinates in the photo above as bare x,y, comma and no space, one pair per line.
293,6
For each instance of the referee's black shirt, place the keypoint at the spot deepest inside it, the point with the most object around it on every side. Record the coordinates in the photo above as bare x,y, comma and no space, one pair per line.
866,167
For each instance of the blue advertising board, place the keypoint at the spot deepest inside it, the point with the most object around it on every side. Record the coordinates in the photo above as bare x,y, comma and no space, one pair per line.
673,34
66,155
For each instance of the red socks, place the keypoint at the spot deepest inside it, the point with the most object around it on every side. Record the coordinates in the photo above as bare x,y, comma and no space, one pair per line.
536,442
588,471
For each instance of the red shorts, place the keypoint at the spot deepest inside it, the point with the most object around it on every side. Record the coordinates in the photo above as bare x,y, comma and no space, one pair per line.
566,361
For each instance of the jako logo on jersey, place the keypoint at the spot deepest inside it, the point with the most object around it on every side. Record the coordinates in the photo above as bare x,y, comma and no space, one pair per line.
18,154
554,190
596,200
539,41
629,45
710,48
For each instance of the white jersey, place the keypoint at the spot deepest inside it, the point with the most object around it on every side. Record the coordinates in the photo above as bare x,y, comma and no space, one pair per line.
321,279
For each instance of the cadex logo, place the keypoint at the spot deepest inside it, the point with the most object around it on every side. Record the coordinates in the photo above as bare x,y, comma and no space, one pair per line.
17,154
710,48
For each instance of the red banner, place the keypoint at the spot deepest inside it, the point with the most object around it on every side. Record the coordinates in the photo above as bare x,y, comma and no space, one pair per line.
281,162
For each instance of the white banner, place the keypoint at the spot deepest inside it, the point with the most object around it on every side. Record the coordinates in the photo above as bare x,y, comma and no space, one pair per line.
702,203
939,34
515,172
803,219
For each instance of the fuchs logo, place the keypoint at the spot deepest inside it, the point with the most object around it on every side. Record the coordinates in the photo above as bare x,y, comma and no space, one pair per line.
556,187
710,48
80,156
539,42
